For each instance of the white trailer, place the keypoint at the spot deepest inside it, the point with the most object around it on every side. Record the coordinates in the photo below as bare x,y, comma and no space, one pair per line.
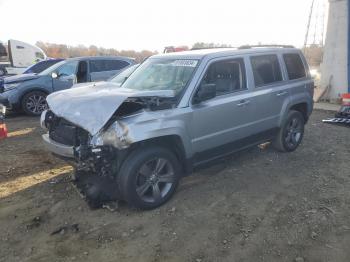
18,56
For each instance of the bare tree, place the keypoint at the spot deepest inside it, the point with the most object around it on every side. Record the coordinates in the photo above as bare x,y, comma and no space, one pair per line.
64,51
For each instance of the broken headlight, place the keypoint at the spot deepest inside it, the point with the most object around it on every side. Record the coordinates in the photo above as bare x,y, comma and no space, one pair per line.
42,119
2,110
115,135
11,86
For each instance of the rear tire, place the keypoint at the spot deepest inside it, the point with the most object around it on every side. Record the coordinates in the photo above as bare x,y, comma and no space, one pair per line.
291,133
34,103
149,177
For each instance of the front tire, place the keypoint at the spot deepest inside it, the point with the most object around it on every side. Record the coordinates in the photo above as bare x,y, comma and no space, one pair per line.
149,177
34,103
291,133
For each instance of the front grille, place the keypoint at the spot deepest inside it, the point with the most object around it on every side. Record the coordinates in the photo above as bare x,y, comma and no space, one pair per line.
64,132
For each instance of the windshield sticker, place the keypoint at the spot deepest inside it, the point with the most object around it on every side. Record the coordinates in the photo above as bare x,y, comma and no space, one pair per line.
188,63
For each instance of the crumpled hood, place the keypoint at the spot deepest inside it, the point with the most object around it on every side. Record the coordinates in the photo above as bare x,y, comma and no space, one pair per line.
20,78
91,106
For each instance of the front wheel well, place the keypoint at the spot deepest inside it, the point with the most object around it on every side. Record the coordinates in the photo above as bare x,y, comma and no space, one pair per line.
170,142
302,108
33,90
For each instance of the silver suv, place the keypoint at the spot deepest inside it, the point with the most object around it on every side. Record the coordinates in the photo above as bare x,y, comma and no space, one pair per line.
174,113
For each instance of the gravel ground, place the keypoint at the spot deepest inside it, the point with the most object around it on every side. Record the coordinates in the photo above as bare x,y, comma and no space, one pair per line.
257,205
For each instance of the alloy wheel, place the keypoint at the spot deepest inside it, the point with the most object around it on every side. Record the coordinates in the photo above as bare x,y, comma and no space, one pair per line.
293,132
154,180
36,104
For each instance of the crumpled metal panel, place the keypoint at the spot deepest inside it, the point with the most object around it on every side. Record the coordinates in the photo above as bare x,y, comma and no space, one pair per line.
92,105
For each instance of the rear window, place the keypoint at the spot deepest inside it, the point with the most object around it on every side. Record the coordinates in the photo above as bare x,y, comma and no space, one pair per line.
107,65
266,70
294,65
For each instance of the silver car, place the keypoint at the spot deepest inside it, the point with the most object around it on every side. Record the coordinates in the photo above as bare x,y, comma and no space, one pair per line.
174,113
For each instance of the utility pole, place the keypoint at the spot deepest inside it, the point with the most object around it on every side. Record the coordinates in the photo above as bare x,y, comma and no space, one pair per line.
308,25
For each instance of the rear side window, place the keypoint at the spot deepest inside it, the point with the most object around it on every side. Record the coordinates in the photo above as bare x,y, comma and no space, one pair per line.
266,70
116,64
107,65
294,65
97,66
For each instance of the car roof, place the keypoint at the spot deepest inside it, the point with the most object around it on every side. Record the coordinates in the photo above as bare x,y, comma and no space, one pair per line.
101,57
51,59
218,52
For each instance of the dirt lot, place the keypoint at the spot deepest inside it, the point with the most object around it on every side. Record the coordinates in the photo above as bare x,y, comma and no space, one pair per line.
257,205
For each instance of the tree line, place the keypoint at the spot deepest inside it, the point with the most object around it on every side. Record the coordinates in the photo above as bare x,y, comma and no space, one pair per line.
313,53
66,51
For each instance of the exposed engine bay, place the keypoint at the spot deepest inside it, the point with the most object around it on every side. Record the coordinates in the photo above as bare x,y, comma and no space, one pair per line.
98,157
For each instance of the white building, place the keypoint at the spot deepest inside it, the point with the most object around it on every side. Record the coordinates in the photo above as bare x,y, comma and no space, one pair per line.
335,66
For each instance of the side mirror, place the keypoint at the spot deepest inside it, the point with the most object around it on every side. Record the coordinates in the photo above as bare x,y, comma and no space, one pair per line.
54,75
205,92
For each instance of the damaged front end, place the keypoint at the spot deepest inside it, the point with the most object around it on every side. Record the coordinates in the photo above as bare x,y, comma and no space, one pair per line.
98,157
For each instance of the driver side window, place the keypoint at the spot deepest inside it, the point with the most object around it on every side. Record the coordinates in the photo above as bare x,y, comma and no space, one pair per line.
228,76
69,68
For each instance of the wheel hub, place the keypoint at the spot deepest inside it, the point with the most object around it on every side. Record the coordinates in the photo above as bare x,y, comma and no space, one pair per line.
153,179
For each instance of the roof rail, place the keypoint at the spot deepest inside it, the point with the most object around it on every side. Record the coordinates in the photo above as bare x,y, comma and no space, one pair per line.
256,46
211,47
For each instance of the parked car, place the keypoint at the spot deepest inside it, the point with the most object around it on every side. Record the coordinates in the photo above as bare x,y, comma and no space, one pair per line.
175,113
117,79
120,78
28,92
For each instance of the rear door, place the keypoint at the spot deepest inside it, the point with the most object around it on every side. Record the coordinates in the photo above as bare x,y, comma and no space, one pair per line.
297,75
270,92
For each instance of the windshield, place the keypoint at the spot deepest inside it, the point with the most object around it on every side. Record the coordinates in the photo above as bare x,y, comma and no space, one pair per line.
120,78
40,66
162,74
51,69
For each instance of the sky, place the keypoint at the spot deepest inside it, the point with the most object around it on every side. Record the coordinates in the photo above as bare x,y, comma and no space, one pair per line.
154,24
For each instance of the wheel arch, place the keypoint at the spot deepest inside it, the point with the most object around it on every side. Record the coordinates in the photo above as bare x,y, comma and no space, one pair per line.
33,89
171,142
298,103
302,108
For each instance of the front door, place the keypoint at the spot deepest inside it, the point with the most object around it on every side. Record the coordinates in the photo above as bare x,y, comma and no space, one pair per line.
66,76
220,121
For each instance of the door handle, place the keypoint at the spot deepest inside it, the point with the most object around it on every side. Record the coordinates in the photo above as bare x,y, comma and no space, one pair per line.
282,93
243,102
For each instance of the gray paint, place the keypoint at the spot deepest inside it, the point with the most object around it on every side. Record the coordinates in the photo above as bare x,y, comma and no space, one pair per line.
207,125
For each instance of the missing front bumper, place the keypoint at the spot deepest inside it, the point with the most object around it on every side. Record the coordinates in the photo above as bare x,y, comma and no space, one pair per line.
96,189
